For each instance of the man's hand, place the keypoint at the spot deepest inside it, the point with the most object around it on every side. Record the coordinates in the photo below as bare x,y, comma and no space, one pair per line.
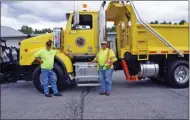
39,60
91,62
109,65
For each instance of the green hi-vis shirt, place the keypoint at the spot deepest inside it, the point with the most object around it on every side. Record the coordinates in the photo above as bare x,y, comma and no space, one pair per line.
102,57
47,57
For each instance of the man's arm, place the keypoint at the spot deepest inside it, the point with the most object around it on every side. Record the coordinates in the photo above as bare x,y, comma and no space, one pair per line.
95,59
112,58
37,56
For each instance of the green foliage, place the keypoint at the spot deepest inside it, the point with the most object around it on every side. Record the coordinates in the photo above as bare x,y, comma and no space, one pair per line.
164,22
112,29
28,30
43,31
170,23
182,22
155,22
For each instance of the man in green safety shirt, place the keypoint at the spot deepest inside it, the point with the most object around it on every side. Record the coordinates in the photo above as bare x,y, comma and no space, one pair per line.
46,59
105,59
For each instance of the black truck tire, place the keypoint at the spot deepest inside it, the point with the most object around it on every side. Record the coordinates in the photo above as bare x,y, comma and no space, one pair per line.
61,83
177,70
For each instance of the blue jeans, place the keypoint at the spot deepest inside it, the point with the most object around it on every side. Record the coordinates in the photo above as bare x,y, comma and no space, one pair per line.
105,79
48,76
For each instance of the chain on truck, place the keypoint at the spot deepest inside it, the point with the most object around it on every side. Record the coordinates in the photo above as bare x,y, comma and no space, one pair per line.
159,52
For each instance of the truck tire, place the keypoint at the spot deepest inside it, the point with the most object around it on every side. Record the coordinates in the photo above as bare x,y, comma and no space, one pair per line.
61,83
178,74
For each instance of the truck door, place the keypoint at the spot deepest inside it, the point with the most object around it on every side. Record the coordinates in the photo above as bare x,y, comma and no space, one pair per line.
80,39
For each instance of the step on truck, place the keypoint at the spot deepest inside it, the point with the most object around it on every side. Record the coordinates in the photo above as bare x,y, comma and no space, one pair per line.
157,51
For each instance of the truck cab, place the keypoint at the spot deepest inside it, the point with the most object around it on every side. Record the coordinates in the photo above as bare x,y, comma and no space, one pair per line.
82,38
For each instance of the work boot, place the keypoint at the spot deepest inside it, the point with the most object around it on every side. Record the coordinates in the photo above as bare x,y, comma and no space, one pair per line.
58,94
102,93
48,95
108,93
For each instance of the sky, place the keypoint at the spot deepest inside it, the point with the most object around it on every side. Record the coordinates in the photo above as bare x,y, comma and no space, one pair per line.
49,14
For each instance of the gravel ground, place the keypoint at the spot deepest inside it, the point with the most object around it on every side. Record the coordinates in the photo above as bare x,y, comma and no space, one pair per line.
129,100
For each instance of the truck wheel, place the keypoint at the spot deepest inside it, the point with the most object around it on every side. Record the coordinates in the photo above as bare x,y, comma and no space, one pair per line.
178,74
36,77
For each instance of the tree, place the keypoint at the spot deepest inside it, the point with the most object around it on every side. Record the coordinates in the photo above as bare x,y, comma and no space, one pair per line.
47,30
26,29
112,29
156,22
164,22
170,23
182,22
37,31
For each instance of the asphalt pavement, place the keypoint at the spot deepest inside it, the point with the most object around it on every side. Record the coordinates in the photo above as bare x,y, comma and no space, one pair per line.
129,100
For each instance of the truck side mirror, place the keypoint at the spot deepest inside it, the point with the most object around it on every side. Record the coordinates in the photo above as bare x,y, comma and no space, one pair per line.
76,19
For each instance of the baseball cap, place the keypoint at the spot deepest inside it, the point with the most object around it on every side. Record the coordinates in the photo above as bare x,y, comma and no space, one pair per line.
104,42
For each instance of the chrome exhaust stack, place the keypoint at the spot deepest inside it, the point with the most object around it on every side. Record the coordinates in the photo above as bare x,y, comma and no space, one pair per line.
102,23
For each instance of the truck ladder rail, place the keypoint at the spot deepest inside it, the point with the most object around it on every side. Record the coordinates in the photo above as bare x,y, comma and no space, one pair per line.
153,31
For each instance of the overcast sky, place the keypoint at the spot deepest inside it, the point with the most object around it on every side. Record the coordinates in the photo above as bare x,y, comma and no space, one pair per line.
49,14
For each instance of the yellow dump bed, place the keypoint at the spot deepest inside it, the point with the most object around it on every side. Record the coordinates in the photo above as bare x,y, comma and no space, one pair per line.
177,35
138,40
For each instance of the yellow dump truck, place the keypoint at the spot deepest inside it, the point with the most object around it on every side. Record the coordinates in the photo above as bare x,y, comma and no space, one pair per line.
158,52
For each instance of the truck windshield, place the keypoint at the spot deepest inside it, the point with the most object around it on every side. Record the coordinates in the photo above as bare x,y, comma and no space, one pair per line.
85,22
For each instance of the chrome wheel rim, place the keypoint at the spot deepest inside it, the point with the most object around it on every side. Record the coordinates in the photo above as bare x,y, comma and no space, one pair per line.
181,74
